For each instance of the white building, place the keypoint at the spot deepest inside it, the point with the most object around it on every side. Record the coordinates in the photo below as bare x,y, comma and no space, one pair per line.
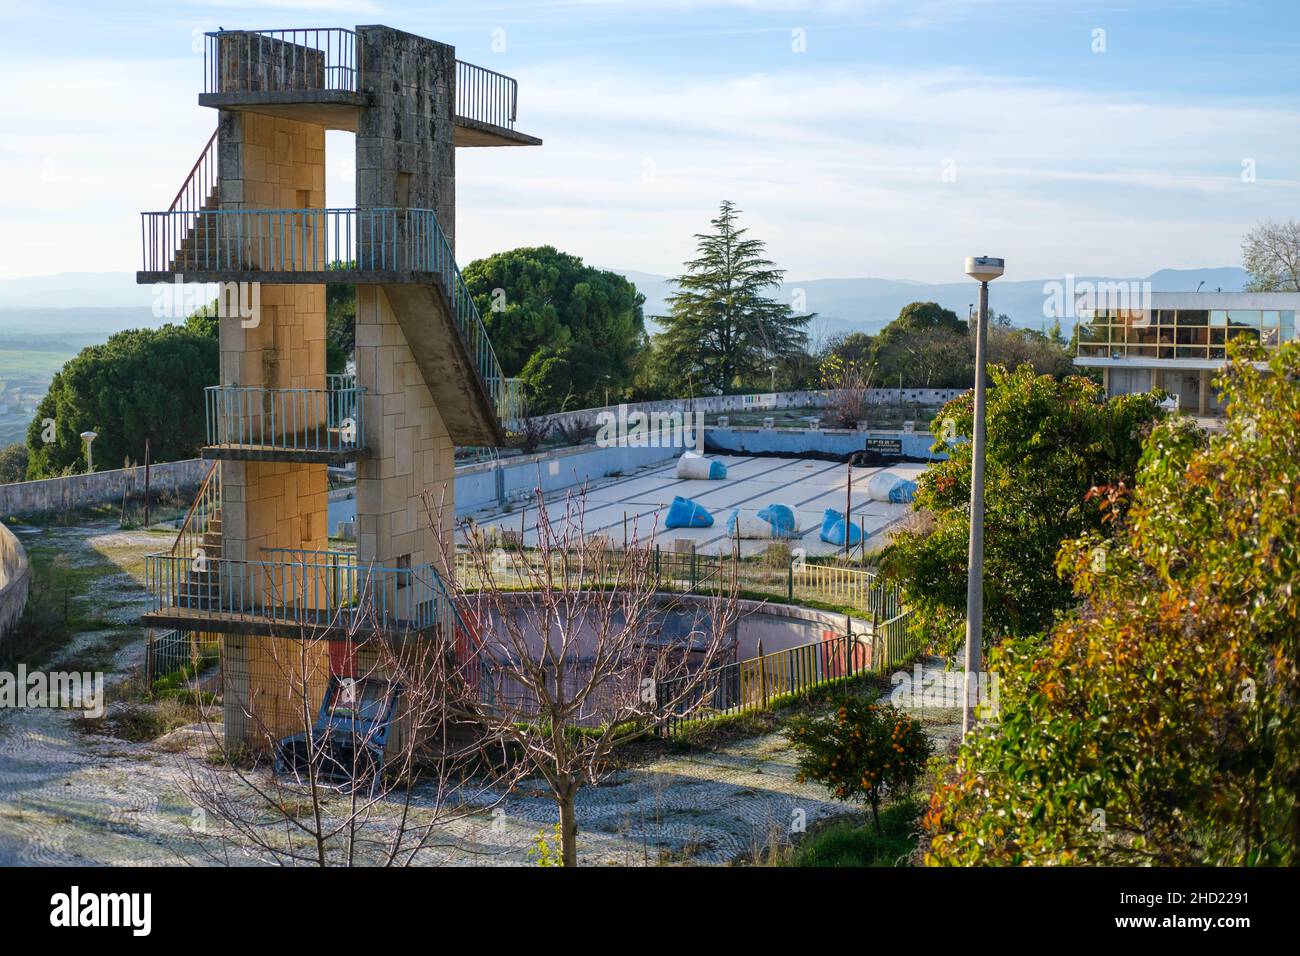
1177,340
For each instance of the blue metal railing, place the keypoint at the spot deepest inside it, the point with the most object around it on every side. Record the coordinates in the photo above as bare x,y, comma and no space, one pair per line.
329,59
290,419
295,587
382,239
267,61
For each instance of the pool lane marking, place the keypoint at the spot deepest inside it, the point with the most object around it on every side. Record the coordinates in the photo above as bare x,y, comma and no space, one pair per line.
723,486
798,504
654,473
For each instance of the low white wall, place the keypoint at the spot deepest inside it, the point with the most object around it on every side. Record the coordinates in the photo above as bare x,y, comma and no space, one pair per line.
718,404
64,494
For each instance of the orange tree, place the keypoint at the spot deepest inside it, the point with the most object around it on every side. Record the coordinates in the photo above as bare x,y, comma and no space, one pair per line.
1049,442
861,751
1157,722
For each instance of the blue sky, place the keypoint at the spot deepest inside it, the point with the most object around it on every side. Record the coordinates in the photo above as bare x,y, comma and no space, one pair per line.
903,137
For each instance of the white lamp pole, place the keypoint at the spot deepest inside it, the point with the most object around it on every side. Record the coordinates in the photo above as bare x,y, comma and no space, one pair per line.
89,437
984,270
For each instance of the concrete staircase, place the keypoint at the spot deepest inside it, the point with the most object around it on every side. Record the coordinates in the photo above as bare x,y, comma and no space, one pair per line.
199,248
202,586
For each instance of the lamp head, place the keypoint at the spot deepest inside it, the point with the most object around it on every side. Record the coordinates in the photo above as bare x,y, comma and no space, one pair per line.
984,268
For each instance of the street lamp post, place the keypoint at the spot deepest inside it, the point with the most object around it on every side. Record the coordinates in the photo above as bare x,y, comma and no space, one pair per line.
984,270
89,437
772,369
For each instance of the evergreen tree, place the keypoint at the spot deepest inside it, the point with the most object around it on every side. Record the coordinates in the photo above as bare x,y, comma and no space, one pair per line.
722,330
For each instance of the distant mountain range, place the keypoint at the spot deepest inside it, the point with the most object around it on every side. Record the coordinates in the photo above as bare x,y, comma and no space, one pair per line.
868,305
97,304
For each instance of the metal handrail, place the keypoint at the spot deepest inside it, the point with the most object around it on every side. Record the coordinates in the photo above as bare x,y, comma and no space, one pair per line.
329,59
206,503
486,96
295,419
202,177
299,587
266,61
381,239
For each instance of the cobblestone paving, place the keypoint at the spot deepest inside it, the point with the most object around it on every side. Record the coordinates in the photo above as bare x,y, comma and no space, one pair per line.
69,797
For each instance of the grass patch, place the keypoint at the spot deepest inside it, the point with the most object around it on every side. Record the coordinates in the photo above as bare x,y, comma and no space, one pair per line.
140,723
854,841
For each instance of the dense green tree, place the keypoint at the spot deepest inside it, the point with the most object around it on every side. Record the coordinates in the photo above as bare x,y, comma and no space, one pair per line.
1157,724
722,329
140,384
916,316
1049,442
568,329
927,346
1046,353
13,463
341,318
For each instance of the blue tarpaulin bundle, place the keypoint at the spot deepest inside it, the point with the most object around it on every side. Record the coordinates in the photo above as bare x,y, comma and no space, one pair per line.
833,530
903,492
782,520
684,513
774,521
717,470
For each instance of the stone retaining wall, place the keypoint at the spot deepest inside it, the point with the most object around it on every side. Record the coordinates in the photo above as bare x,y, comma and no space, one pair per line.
14,578
25,498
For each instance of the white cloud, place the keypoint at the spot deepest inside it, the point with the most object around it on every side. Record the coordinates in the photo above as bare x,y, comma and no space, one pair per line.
840,170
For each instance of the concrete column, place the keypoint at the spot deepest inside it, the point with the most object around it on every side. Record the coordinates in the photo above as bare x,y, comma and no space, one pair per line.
406,154
1203,401
410,449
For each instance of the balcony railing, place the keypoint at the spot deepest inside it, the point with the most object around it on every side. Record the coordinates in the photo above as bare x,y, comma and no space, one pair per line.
297,588
287,419
270,61
329,59
382,239
485,96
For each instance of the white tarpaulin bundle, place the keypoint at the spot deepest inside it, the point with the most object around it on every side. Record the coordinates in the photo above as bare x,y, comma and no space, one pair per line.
691,465
890,486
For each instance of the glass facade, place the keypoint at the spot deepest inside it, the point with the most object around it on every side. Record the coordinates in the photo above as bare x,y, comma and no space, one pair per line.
1179,333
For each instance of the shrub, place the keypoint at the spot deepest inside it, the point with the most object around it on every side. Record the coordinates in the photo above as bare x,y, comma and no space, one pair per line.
853,843
1049,443
861,751
1157,723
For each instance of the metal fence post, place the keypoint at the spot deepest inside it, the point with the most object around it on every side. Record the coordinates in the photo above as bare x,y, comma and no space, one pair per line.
148,662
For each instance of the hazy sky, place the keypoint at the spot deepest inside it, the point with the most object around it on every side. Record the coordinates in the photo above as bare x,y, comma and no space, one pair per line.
903,137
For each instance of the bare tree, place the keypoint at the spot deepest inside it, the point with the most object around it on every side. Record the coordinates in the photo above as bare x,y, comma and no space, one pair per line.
847,382
576,658
356,758
531,432
1270,252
